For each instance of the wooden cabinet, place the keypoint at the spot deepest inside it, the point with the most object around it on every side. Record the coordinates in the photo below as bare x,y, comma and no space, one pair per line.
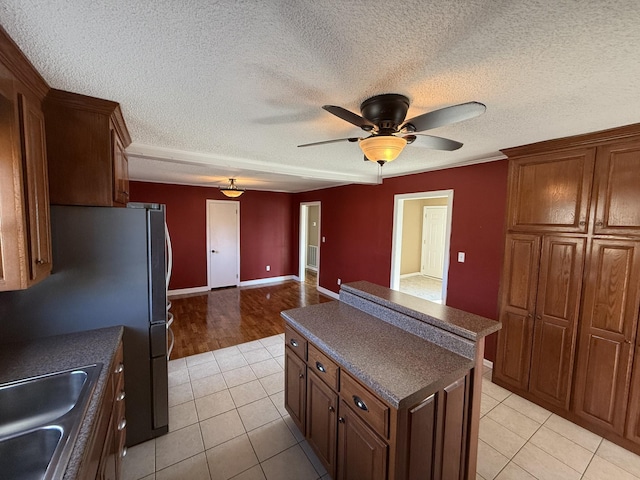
322,411
551,191
539,312
86,141
357,435
295,387
25,236
361,453
607,333
105,449
571,280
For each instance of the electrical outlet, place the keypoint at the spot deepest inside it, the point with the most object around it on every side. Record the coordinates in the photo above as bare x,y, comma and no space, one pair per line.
268,268
323,240
339,282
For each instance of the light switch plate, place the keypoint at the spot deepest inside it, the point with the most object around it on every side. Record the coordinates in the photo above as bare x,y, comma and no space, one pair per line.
461,257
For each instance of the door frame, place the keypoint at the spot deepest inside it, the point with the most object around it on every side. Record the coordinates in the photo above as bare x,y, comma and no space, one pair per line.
210,204
422,249
396,242
304,228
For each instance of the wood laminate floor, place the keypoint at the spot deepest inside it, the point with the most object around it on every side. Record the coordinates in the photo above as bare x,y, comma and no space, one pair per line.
226,317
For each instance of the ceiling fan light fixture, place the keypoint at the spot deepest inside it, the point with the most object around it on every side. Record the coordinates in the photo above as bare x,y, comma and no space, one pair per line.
384,148
232,190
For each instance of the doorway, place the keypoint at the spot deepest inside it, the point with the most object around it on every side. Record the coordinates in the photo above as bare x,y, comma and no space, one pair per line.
420,245
309,262
223,243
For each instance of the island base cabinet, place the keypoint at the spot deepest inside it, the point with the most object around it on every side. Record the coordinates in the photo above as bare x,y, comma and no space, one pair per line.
295,373
322,406
361,453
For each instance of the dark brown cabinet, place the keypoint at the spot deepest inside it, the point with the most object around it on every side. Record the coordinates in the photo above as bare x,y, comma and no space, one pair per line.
571,280
86,141
295,388
607,333
25,239
540,303
361,453
322,411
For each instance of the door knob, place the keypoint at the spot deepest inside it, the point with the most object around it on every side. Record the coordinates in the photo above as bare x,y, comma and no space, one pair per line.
213,251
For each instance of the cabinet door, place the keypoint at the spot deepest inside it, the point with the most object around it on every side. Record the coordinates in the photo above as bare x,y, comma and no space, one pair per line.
608,329
361,453
322,421
519,282
295,372
618,189
35,182
556,318
632,429
551,192
120,170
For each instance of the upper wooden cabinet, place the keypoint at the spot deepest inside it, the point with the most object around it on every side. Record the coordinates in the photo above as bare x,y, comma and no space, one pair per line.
584,184
25,233
551,192
86,141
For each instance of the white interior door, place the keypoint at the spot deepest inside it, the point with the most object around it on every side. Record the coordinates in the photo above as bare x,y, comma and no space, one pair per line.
434,225
223,232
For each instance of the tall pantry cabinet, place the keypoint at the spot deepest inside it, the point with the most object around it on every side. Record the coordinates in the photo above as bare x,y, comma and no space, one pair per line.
570,292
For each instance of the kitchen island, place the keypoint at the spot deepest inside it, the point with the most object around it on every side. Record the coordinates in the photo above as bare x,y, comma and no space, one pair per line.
385,385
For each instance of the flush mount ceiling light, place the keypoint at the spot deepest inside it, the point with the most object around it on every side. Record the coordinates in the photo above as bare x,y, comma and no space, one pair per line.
383,148
232,189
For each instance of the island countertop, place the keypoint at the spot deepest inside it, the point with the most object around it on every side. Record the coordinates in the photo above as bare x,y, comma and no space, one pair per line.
64,352
400,367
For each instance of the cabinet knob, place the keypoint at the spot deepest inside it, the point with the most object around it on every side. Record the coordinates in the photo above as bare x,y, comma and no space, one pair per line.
340,419
122,424
301,375
331,409
39,261
529,315
320,367
582,223
119,368
124,452
599,223
293,343
538,317
120,396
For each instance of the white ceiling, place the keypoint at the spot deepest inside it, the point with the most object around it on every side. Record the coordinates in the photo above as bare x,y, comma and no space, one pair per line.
211,90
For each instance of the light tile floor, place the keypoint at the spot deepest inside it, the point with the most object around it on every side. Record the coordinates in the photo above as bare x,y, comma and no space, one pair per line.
227,421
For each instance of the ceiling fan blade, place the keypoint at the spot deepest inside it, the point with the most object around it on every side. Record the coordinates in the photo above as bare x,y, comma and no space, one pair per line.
350,117
443,116
351,139
437,143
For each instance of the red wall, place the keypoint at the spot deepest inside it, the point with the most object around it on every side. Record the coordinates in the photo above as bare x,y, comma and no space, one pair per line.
265,230
357,221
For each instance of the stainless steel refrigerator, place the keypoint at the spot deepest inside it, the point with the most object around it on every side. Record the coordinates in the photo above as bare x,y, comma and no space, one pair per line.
109,268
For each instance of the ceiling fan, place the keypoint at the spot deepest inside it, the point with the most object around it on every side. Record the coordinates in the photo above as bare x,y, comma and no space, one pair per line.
383,117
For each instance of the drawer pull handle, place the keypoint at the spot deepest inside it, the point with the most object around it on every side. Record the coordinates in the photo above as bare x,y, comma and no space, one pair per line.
119,368
293,343
122,424
320,367
120,397
360,404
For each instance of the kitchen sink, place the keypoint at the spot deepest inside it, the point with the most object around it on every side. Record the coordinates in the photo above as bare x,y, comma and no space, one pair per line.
40,418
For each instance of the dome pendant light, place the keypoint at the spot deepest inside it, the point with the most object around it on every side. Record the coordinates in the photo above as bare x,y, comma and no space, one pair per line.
232,190
382,148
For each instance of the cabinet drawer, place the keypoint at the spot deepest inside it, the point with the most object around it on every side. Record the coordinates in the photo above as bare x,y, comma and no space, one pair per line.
365,404
324,367
296,341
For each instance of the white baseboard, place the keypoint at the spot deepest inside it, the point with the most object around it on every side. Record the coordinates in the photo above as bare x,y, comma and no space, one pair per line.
487,363
328,292
187,291
260,281
407,275
312,268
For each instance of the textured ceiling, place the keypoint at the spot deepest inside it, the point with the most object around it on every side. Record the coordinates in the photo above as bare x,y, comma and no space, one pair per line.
229,88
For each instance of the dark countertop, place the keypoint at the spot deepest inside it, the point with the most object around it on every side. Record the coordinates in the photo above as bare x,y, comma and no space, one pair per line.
399,366
459,322
64,352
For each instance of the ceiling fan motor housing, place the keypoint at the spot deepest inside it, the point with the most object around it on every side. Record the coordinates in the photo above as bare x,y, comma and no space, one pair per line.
387,111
